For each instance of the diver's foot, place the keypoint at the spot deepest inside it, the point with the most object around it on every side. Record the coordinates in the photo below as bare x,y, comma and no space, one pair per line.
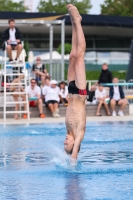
74,14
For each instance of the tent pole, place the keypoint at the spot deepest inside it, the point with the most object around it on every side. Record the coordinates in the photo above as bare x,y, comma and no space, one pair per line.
62,48
51,48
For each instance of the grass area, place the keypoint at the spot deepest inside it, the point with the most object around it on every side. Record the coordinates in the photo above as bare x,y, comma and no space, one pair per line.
94,75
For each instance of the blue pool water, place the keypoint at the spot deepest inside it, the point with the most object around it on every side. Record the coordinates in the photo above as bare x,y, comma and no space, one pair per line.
33,165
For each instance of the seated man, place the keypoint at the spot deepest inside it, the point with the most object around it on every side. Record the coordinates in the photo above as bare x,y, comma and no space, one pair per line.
13,37
40,72
34,94
117,97
101,96
18,88
51,95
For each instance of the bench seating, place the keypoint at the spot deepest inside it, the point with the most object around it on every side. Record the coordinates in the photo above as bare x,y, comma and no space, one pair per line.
90,111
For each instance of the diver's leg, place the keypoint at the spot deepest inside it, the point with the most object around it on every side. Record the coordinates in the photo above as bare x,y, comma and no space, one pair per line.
71,68
80,78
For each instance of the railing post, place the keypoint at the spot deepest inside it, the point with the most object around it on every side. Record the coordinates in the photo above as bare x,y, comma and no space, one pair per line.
51,48
62,47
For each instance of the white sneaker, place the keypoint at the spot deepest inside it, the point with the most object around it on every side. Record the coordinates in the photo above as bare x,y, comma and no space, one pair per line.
56,111
56,115
114,114
12,62
120,113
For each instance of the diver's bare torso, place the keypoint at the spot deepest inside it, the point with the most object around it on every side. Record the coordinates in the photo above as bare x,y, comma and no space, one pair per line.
76,115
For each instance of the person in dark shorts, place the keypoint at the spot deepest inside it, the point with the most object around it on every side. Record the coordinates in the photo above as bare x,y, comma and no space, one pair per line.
77,92
117,96
51,95
14,39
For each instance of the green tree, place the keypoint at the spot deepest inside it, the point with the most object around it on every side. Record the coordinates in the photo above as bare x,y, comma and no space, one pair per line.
117,7
67,48
26,47
9,5
59,6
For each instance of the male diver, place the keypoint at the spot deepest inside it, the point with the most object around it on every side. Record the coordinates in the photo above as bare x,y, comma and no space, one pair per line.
76,111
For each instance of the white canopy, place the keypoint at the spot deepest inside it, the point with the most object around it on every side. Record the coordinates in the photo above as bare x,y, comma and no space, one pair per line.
46,56
55,56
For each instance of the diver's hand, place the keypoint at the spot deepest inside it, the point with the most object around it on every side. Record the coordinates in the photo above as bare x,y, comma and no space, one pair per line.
73,161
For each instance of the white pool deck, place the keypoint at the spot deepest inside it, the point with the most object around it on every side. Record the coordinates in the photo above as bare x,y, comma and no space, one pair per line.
62,120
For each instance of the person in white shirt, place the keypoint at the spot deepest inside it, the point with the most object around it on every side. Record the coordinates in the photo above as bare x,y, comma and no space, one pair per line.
117,96
34,94
101,95
63,92
51,95
47,84
14,39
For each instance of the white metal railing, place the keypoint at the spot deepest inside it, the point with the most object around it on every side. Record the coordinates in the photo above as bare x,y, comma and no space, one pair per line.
5,74
93,82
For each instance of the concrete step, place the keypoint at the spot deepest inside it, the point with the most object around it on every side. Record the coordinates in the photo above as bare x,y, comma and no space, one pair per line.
90,111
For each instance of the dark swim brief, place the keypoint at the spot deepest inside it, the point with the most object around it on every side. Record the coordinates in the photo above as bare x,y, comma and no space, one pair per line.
73,89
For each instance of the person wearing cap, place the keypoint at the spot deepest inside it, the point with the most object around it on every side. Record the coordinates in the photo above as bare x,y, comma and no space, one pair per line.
51,95
34,94
40,71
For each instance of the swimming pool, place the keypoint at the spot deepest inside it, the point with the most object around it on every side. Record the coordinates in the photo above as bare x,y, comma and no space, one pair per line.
33,165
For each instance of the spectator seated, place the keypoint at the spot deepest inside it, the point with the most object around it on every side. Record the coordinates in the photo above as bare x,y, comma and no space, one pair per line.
63,93
51,96
101,96
34,95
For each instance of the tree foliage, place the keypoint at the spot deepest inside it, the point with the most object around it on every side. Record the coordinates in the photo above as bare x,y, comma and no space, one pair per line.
117,7
67,48
9,5
59,6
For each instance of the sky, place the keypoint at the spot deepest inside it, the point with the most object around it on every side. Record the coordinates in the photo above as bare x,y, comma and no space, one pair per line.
94,10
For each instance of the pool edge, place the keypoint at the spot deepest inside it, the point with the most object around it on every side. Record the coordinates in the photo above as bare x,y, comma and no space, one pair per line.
62,120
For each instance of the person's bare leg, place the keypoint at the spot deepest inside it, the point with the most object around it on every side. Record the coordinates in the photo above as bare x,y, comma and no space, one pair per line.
40,106
43,80
72,59
55,105
9,51
24,99
19,49
122,103
106,107
80,79
16,107
51,107
99,108
112,104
